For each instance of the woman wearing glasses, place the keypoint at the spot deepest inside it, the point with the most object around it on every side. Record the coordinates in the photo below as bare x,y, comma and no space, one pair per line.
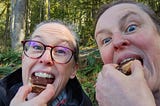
51,53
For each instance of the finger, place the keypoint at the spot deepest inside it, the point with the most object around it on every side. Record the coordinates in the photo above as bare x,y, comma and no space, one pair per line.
22,93
98,80
107,68
137,68
110,69
99,75
98,84
45,95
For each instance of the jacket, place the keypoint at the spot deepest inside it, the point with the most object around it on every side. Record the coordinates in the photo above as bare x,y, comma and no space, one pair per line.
10,84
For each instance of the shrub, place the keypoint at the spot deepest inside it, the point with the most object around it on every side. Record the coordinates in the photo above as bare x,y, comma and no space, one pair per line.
9,61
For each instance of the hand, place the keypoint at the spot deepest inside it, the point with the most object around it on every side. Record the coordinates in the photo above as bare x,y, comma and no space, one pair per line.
113,88
40,100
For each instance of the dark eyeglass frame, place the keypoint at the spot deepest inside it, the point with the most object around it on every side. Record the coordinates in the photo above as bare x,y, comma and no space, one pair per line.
45,46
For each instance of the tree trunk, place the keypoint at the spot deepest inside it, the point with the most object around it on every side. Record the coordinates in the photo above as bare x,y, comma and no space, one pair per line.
46,10
17,30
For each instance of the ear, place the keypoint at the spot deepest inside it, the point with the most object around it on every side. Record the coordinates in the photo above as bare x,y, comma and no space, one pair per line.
73,74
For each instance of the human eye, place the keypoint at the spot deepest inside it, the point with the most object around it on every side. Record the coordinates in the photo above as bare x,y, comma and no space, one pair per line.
61,51
131,28
106,41
35,46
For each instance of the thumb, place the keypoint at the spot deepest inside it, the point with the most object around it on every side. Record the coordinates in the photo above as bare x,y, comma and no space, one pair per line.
137,68
45,96
22,93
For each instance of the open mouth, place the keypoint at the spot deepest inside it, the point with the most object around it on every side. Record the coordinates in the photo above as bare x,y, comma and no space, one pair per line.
130,59
125,65
39,81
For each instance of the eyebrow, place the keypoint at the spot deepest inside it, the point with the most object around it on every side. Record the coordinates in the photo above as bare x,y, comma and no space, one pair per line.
123,19
103,31
57,43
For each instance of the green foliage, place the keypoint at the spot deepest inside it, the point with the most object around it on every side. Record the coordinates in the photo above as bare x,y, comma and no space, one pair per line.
9,61
81,13
87,77
88,73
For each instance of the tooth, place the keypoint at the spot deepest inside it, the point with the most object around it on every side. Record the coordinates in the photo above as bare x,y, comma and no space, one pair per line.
44,75
126,60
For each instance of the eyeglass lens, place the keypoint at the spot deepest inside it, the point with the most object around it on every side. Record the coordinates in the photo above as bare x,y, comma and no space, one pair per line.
36,49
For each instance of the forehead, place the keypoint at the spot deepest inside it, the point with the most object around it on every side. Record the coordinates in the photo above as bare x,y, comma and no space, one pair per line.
120,10
53,29
54,32
118,14
52,26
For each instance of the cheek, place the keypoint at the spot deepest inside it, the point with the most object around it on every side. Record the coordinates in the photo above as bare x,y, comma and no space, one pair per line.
145,42
26,67
24,73
66,70
62,69
106,55
63,76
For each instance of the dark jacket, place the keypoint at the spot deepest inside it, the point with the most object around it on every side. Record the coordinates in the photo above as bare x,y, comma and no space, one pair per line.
10,84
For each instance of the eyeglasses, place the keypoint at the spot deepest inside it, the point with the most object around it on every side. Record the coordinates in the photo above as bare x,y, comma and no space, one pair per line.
35,49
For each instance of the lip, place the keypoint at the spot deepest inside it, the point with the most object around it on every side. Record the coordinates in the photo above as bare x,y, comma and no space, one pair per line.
128,56
42,71
43,74
40,77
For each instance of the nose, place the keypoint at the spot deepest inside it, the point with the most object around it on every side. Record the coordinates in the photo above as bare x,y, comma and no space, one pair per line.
46,58
119,42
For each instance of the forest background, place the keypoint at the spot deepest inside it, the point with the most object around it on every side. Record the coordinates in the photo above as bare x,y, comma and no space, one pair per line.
18,19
